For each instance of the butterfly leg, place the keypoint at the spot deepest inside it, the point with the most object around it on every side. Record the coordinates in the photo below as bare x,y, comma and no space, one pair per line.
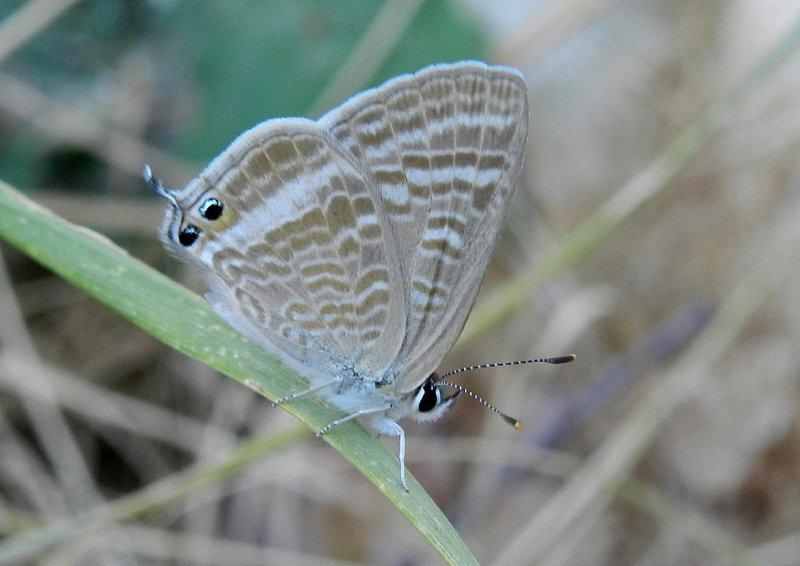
296,394
359,413
388,426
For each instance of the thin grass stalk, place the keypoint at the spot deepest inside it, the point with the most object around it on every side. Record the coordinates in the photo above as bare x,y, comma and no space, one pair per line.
610,464
506,298
155,496
186,322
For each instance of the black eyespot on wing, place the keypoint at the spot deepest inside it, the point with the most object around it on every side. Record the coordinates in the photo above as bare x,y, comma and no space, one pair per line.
188,235
211,209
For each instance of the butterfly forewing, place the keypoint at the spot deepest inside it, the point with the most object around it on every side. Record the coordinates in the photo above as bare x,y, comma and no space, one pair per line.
301,258
444,148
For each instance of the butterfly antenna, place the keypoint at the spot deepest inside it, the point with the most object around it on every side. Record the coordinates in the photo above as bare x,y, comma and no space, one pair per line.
155,184
510,420
556,360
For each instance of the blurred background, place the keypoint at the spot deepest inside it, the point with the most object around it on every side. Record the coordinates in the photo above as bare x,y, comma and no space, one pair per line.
654,239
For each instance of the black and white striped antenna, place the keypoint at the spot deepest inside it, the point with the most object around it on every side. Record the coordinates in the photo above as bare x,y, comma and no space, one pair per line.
556,360
441,380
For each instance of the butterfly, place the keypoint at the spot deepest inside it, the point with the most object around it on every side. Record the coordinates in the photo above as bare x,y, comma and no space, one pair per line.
353,246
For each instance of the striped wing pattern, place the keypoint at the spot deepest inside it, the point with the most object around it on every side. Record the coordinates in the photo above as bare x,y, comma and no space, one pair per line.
356,244
444,149
300,259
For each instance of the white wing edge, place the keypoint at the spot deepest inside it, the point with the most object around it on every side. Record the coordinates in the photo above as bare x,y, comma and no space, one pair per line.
366,97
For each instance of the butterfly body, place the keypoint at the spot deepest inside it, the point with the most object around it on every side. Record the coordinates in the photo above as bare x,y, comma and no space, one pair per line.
353,246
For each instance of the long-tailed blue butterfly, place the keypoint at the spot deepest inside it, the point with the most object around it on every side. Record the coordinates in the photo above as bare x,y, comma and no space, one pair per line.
353,246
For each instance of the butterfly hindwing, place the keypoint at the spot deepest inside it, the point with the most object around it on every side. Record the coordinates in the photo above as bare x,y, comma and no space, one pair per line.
300,259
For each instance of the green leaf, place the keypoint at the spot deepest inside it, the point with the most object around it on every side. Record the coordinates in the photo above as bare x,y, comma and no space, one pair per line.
186,322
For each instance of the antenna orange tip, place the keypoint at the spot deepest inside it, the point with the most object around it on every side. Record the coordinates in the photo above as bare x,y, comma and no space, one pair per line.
518,425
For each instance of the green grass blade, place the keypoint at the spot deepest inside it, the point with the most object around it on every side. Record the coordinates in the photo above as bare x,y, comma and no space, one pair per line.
186,322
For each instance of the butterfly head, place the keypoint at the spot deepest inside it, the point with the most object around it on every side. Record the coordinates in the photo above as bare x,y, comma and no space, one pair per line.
429,402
